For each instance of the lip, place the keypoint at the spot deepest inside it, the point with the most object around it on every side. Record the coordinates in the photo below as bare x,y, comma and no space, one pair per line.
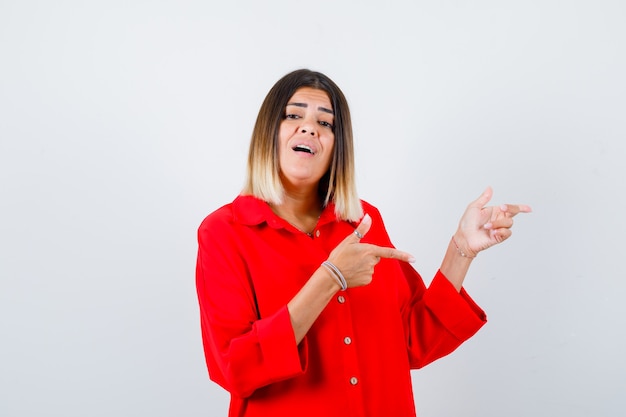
306,144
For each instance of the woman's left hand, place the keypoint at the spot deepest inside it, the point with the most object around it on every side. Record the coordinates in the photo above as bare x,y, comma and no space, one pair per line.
484,226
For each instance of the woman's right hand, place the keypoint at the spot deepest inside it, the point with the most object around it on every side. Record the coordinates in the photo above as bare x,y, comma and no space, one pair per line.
357,260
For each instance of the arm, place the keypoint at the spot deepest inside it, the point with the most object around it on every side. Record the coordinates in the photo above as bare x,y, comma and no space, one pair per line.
443,316
243,350
306,306
437,319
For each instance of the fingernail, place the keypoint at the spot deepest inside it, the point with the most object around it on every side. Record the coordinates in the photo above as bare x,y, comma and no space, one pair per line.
503,207
488,225
411,259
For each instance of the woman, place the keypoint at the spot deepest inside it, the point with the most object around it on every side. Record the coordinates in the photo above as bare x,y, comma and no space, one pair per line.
306,307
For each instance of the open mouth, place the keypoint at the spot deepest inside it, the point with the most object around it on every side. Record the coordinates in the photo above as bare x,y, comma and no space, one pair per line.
303,148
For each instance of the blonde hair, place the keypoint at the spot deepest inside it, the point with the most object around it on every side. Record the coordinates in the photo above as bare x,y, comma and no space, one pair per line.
338,185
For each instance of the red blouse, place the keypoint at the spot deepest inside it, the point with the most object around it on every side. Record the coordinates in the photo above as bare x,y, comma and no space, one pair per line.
356,358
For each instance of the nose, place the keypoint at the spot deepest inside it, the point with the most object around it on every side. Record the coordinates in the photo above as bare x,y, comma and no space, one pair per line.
308,125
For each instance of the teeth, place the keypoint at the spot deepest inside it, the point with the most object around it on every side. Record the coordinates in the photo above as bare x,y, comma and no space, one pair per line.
303,148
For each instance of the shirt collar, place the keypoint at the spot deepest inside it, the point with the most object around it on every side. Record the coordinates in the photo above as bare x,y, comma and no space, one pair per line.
251,211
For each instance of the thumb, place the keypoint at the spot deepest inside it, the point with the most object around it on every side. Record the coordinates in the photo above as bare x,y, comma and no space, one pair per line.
362,229
484,198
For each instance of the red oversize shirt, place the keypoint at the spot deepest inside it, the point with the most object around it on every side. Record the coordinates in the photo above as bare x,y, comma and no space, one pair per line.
356,358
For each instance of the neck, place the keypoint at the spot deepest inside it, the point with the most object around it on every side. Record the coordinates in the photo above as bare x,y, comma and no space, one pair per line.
300,209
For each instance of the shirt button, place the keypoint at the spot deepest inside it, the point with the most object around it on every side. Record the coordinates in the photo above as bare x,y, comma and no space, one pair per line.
354,381
341,299
347,340
317,233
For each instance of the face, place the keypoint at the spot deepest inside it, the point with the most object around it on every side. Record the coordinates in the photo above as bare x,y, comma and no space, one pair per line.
306,138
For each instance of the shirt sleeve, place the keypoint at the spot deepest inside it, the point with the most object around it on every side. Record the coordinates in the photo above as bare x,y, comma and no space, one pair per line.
243,351
438,319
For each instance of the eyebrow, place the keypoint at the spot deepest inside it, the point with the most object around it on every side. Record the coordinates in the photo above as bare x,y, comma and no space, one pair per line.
324,109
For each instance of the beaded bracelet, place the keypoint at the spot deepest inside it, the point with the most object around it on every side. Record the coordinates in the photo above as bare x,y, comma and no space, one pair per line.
341,280
463,254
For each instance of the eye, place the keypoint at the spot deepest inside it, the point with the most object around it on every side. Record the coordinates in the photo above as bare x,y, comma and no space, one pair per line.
291,116
326,124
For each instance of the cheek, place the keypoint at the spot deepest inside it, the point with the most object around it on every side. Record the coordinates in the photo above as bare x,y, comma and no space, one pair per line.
286,129
330,151
329,143
282,136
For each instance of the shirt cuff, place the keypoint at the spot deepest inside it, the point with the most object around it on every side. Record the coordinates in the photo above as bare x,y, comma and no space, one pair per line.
283,358
455,310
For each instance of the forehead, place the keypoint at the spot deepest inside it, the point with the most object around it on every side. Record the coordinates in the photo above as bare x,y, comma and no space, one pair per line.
311,95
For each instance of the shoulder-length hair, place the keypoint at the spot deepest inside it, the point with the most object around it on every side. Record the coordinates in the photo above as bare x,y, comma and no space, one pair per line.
338,185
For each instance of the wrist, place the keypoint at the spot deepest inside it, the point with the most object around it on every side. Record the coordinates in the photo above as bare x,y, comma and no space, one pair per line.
462,248
336,274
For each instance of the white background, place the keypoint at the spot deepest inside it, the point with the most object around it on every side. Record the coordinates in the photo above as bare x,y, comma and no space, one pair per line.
124,123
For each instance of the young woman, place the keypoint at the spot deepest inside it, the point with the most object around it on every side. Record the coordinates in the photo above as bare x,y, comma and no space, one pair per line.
306,307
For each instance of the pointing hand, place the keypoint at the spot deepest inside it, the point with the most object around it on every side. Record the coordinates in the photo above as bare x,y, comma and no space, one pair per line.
357,260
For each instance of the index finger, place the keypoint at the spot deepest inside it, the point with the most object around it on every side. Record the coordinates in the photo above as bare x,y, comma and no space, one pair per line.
513,209
391,253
